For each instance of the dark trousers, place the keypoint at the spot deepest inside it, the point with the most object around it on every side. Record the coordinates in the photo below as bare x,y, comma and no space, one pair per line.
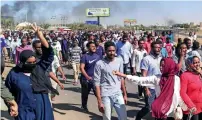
2,64
125,67
85,90
148,101
9,52
194,117
140,88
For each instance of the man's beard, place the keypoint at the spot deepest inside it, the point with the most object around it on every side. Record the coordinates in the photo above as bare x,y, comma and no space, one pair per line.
111,57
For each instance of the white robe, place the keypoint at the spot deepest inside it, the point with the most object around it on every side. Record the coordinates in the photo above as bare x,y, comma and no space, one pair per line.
153,81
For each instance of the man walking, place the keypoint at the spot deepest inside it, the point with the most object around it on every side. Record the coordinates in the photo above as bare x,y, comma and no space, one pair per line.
87,65
150,65
109,87
138,55
124,50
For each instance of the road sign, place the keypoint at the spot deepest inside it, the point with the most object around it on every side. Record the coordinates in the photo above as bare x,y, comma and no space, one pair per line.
97,12
92,22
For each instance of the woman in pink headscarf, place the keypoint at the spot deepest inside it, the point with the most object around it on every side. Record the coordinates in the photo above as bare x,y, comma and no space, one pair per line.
167,88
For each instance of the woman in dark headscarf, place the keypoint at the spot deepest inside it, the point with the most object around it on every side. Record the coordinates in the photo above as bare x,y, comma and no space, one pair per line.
29,85
167,88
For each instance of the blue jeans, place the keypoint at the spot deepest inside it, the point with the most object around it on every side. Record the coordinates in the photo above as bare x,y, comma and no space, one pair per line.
117,102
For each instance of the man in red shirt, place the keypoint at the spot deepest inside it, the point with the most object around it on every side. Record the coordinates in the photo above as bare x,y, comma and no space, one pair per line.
148,43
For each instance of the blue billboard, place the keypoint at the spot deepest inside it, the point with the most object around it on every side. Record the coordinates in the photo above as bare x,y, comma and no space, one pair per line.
92,22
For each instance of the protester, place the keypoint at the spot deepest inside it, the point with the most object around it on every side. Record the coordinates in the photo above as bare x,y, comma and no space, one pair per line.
65,45
163,37
195,36
57,46
135,43
20,49
124,49
191,88
87,65
99,49
109,87
176,58
75,54
196,50
167,87
3,51
150,66
171,36
191,37
169,47
51,71
7,96
188,43
55,66
27,83
102,40
148,43
14,44
137,56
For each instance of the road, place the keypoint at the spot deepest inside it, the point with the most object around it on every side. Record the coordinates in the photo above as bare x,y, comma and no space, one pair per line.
67,105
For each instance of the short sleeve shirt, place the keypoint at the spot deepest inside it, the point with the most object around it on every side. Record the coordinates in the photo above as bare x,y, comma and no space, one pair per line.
151,64
89,60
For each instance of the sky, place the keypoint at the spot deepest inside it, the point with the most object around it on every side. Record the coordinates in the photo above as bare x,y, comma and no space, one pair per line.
145,12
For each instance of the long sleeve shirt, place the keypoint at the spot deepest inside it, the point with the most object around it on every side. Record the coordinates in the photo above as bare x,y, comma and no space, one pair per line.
154,82
124,50
137,57
19,50
5,93
191,91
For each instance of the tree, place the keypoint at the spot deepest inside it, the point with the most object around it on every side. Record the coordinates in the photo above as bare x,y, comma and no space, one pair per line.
45,26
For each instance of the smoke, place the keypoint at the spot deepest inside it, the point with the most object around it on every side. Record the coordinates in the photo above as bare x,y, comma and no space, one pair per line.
36,11
170,22
43,11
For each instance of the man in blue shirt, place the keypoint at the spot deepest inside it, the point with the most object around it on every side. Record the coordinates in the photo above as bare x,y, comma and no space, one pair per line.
124,50
150,65
87,65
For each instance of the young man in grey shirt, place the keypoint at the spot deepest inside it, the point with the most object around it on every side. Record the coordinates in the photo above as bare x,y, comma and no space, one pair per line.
109,87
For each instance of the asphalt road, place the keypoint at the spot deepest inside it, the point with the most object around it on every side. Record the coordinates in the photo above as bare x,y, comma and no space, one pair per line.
67,105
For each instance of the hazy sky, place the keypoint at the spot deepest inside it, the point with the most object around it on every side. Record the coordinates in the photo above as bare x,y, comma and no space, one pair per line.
146,13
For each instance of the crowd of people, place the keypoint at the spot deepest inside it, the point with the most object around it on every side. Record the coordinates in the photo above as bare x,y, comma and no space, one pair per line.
168,73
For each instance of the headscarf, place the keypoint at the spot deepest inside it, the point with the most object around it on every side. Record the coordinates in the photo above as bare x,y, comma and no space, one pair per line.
162,104
189,62
24,55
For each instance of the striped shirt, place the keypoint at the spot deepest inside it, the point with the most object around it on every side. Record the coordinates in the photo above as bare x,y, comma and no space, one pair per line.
75,53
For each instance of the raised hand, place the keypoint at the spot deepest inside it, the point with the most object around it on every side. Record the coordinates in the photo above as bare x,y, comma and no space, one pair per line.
35,27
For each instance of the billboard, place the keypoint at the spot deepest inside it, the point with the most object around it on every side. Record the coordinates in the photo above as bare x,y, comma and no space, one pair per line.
92,22
130,21
95,12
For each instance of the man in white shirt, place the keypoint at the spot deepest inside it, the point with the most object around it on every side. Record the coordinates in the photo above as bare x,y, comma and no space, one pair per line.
57,46
195,36
138,55
14,44
191,37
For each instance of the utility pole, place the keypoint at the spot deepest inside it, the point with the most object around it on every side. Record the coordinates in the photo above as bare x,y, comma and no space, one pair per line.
26,16
98,20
